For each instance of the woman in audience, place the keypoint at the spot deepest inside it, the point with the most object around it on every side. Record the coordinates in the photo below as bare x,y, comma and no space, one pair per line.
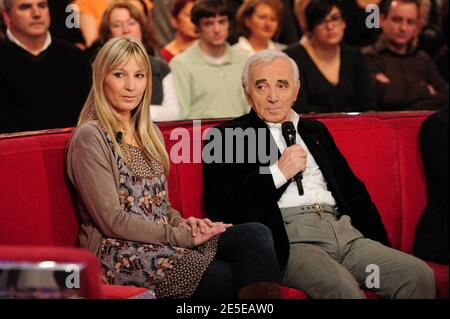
122,18
118,165
91,12
185,34
334,76
258,22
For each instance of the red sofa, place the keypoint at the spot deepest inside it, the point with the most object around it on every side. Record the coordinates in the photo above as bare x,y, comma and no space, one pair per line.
37,208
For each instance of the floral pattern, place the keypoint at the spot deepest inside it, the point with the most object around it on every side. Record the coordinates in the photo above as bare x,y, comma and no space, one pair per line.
144,193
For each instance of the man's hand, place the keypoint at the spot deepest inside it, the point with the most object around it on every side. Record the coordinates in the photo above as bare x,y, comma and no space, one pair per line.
292,161
201,226
431,90
381,77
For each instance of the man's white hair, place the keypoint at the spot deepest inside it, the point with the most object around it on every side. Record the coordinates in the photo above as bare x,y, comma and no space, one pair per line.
266,57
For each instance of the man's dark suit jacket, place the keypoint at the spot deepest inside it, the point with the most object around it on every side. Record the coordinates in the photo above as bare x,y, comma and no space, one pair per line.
431,241
238,193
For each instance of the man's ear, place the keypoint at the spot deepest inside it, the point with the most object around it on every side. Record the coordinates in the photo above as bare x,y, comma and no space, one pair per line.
247,96
6,18
298,90
382,20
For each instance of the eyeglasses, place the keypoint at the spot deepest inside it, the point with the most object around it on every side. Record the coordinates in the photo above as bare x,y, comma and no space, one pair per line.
334,20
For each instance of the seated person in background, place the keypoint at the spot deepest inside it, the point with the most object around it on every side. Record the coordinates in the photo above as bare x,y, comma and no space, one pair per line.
43,81
91,12
406,79
185,34
431,241
207,73
122,18
258,22
335,77
118,165
322,252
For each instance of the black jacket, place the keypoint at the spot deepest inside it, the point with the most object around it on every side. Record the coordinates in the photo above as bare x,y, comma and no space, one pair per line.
238,193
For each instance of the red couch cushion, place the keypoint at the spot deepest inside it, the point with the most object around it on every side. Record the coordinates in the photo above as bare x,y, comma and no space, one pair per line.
36,204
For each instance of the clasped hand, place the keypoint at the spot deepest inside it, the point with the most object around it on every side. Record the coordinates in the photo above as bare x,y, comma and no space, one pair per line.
203,229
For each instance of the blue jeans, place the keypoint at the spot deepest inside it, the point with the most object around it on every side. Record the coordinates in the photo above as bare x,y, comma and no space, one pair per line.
245,255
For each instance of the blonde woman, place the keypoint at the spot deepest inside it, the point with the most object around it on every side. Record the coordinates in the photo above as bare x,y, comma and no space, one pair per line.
118,165
123,18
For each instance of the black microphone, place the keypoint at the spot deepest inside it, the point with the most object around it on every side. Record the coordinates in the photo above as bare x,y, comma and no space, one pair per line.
119,136
289,133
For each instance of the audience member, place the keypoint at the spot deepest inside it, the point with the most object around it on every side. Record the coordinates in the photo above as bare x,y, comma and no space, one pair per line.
185,34
258,23
207,74
335,77
431,242
91,12
43,81
288,31
322,253
118,165
122,18
406,78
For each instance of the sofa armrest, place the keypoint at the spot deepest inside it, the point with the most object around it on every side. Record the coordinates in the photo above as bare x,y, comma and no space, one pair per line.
74,272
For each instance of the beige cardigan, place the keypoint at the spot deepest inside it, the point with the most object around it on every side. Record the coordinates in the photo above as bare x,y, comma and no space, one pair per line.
93,171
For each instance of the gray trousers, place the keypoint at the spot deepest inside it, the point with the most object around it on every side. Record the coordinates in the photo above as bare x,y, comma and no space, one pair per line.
329,258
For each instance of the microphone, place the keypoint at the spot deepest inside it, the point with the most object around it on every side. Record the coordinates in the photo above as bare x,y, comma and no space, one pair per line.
289,133
119,136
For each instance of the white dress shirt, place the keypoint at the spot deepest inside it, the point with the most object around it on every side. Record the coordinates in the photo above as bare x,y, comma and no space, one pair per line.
12,38
314,184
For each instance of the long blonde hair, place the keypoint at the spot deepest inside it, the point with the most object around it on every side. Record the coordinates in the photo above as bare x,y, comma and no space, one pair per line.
96,108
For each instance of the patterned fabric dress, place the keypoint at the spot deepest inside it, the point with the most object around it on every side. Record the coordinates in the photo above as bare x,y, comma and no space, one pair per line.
173,272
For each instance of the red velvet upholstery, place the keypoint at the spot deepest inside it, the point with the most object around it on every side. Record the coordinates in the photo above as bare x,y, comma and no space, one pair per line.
36,206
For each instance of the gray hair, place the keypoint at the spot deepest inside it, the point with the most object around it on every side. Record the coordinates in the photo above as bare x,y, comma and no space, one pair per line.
7,5
266,57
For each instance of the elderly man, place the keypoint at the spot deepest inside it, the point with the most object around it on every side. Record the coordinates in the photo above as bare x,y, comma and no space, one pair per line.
43,81
325,238
406,79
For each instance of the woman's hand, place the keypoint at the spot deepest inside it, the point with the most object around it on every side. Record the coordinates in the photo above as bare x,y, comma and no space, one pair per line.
202,238
201,226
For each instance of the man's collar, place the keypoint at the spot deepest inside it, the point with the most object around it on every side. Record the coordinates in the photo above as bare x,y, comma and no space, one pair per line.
381,45
12,38
294,118
203,56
